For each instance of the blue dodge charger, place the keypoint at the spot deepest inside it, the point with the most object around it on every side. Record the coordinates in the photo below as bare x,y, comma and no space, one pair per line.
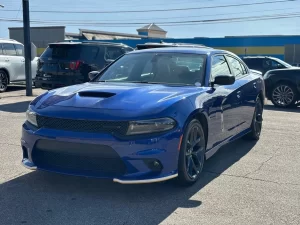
150,116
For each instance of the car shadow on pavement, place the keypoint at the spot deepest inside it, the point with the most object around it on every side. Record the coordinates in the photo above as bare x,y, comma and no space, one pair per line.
46,198
17,107
11,88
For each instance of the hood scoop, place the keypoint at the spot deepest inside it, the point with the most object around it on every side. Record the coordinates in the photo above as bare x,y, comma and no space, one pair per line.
96,94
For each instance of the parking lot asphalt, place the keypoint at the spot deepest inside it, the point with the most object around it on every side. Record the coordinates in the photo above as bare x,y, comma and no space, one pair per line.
244,183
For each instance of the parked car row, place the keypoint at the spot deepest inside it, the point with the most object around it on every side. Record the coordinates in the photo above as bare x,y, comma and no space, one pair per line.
67,63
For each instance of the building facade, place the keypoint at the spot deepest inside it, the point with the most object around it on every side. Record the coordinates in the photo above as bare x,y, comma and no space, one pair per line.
283,47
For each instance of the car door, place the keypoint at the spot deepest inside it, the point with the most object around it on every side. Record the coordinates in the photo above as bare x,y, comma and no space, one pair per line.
2,57
14,62
225,102
20,55
247,92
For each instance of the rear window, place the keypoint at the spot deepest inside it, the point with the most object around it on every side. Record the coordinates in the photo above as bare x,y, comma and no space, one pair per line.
67,52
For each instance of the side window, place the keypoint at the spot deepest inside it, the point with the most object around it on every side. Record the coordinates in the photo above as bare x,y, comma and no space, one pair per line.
219,66
20,49
112,53
243,69
267,64
1,51
89,53
276,65
9,49
236,67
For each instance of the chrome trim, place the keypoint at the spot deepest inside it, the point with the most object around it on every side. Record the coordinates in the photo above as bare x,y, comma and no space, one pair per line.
145,181
29,165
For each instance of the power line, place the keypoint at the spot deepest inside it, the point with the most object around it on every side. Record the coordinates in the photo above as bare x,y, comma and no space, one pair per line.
150,20
155,10
173,23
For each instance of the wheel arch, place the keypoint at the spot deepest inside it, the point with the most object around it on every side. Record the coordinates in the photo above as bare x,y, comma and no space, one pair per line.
6,71
261,96
202,117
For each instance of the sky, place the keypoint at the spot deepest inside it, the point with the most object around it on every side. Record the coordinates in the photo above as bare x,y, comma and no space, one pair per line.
72,21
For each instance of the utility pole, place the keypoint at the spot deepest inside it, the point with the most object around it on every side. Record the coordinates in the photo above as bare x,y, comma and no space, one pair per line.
27,47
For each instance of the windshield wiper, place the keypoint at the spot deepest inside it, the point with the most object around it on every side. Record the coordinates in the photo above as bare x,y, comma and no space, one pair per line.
144,82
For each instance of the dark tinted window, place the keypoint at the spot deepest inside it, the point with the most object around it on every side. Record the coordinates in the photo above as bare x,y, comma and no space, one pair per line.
111,53
20,49
236,66
9,49
254,63
89,53
66,52
219,66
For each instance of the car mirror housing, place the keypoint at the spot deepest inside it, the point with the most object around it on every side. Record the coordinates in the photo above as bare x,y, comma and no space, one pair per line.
224,80
93,74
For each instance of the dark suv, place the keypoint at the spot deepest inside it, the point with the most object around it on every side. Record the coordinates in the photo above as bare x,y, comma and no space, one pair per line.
265,63
67,63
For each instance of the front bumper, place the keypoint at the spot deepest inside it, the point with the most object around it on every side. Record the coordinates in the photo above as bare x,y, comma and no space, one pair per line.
133,153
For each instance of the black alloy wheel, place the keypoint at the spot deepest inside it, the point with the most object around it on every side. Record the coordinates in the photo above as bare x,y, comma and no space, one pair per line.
284,95
192,153
3,81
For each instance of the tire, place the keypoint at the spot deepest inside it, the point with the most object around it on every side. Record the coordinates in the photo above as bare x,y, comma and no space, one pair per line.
256,124
284,95
192,154
3,81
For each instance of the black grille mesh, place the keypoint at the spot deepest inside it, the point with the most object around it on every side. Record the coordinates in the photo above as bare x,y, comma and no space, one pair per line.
87,159
117,127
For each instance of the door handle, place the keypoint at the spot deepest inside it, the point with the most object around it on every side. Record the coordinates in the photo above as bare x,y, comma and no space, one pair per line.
6,60
23,60
238,94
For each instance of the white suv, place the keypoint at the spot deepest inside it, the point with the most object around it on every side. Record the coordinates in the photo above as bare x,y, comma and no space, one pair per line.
12,63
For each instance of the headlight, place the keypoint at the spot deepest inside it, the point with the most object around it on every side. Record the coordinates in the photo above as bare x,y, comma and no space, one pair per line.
150,126
31,117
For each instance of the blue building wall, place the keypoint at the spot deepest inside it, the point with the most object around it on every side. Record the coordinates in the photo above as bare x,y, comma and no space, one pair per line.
267,45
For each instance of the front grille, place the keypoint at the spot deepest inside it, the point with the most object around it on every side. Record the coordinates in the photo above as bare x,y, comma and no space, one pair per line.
79,158
91,126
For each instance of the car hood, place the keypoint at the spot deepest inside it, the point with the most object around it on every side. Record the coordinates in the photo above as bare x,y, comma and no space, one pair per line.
117,96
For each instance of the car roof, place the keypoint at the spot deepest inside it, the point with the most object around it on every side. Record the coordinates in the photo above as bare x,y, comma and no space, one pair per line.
88,43
258,57
3,40
167,44
192,50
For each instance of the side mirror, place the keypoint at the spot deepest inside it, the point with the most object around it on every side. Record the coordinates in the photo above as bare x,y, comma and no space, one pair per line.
109,61
33,51
279,66
224,80
93,74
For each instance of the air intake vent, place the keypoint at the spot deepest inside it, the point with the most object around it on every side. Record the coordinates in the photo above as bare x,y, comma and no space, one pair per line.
96,94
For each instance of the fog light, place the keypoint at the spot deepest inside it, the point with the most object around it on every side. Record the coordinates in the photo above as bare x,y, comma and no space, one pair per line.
153,165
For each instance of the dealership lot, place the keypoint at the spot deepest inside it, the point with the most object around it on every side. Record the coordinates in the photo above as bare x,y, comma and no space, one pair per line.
244,183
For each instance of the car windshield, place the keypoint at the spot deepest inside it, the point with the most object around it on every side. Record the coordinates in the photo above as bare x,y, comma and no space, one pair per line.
166,68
